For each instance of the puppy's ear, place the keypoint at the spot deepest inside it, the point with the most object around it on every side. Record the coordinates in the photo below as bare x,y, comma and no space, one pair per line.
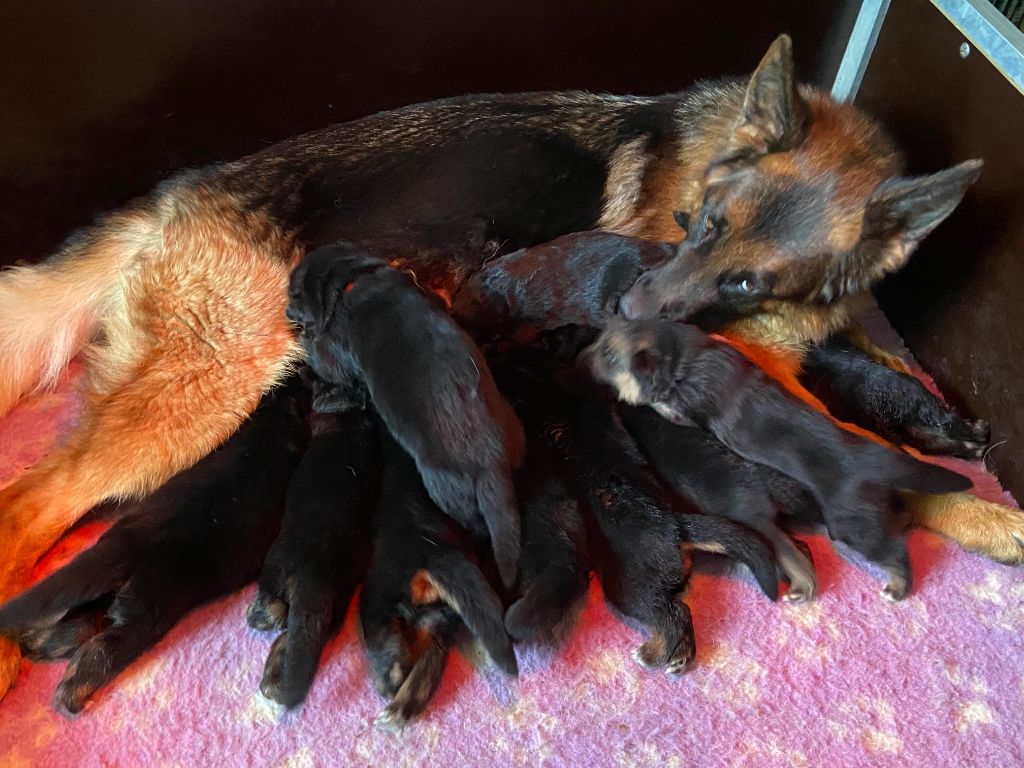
900,213
774,115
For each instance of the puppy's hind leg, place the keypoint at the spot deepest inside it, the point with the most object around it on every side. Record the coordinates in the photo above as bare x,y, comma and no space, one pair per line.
141,614
187,391
460,584
418,688
671,645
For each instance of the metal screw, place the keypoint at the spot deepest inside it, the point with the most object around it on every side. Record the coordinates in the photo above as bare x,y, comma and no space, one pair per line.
965,50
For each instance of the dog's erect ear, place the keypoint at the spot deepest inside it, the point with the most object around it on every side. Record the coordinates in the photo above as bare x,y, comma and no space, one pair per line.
773,114
902,211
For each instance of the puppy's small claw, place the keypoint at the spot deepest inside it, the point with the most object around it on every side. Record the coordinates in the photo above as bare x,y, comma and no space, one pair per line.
894,593
799,595
390,720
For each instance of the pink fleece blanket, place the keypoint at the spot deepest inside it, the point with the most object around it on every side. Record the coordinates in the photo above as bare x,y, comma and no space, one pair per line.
850,680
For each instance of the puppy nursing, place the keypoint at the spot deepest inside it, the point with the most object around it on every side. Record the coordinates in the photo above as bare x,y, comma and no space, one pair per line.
689,378
423,584
361,320
322,552
202,535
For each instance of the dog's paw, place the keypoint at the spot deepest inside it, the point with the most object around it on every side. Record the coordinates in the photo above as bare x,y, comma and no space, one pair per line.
993,530
10,663
266,613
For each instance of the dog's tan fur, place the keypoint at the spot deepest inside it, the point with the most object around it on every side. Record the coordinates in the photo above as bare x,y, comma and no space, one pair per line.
193,332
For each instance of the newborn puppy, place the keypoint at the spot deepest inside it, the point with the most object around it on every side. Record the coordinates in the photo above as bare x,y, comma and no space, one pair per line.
554,567
577,279
889,403
636,534
636,547
202,535
421,586
690,378
322,552
362,320
695,465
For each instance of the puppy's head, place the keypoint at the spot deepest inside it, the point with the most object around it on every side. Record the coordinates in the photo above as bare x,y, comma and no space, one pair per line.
641,359
322,283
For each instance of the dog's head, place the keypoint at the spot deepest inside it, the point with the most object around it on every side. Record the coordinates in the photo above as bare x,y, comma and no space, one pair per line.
642,359
799,201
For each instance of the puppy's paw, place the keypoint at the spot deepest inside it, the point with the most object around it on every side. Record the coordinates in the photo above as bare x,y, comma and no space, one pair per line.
898,586
652,654
10,663
682,658
391,719
801,594
954,437
73,692
273,672
266,612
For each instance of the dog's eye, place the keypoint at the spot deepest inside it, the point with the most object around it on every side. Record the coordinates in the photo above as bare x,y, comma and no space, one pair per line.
746,286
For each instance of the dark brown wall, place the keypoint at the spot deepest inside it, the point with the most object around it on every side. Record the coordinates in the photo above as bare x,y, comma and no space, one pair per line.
959,303
100,99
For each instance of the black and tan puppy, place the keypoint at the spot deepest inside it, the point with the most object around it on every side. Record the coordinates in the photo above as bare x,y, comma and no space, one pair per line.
698,467
422,585
895,405
323,550
202,535
689,377
362,320
575,279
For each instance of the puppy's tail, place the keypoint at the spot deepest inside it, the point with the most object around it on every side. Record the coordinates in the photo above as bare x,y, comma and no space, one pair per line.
496,501
50,311
724,537
92,574
461,585
548,601
909,474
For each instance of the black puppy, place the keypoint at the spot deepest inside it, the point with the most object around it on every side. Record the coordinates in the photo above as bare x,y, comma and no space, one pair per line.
690,378
362,320
636,544
634,534
696,465
421,586
576,279
889,403
554,567
323,550
202,535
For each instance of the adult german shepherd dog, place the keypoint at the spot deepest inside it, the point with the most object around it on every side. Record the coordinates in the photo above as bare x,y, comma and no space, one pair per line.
176,301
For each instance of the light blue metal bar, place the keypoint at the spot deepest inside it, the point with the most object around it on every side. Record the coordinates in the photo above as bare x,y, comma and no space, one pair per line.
990,33
858,49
